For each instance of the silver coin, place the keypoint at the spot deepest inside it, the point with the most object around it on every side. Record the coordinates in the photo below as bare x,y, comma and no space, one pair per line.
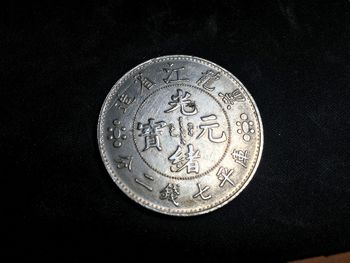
180,135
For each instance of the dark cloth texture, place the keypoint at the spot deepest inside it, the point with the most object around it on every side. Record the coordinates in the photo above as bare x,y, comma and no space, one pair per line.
58,63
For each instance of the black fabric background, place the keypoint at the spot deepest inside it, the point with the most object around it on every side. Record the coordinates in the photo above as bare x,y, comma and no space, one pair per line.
57,65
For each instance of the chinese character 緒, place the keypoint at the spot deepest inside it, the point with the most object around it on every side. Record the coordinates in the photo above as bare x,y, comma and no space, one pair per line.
188,160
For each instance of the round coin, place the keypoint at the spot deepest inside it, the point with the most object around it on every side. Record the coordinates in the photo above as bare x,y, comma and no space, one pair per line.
180,135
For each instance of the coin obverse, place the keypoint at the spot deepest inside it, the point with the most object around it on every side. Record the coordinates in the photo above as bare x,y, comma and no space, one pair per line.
180,135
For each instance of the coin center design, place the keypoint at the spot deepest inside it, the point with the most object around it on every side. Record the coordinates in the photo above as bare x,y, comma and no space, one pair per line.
181,131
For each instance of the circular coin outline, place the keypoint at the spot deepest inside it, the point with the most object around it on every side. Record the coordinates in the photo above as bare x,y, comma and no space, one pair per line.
134,196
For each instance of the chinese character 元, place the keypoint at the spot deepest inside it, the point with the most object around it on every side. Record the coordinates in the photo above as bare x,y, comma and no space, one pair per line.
209,127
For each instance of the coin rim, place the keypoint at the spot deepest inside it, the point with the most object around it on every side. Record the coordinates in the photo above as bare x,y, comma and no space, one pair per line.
131,194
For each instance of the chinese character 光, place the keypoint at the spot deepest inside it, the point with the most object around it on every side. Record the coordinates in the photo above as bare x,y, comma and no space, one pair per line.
170,193
209,127
188,160
151,132
182,100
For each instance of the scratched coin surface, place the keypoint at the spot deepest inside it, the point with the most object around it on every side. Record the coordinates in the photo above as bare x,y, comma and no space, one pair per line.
180,135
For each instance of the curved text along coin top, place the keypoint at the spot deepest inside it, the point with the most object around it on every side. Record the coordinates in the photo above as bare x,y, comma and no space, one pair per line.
180,135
